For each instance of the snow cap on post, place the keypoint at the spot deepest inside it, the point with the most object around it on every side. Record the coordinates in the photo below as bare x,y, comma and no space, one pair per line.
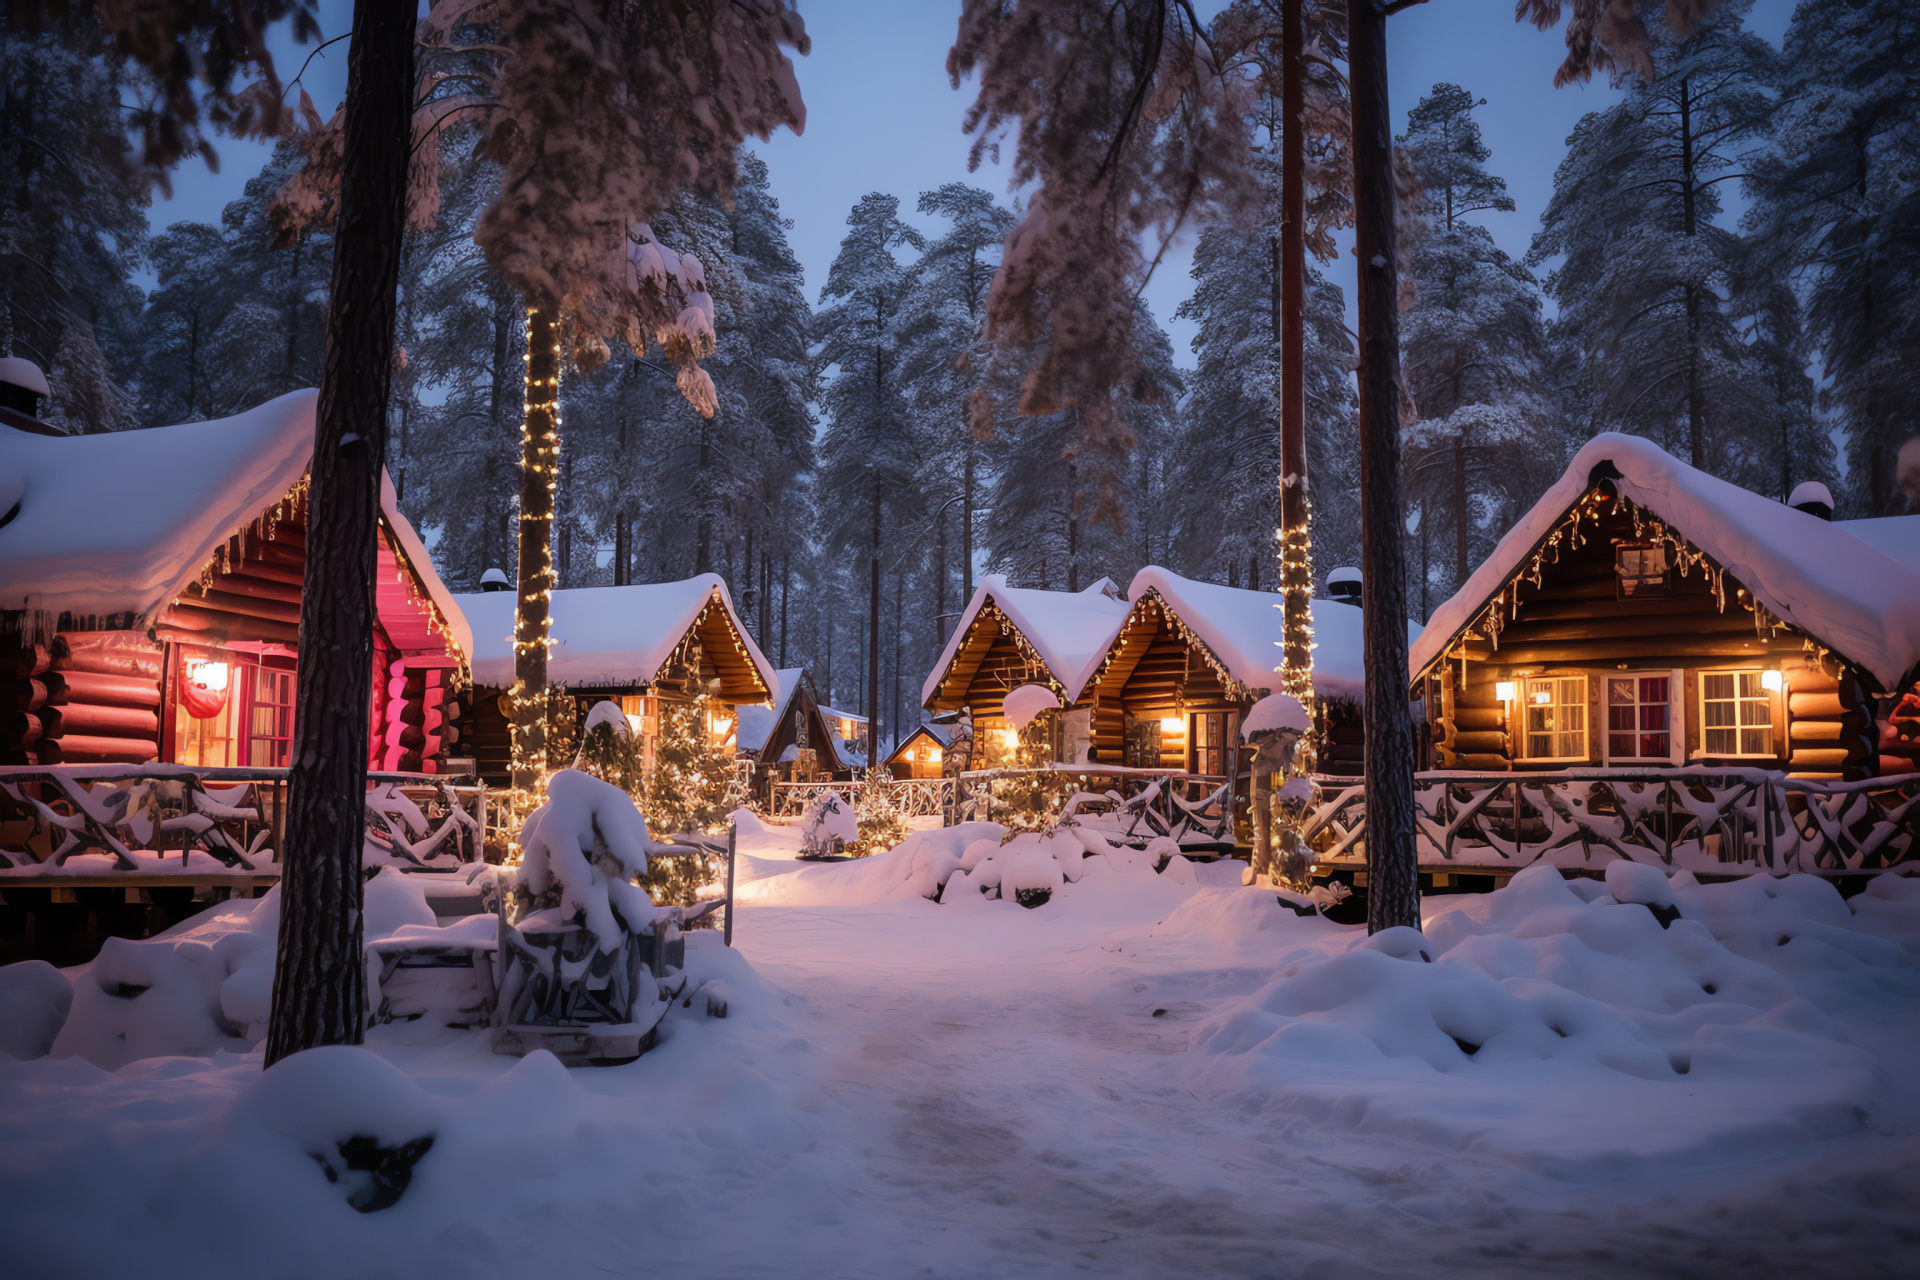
607,713
495,580
1273,712
23,373
1344,584
1813,498
1026,702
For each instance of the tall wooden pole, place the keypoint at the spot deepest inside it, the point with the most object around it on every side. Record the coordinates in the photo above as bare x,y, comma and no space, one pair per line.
1393,880
1296,563
319,984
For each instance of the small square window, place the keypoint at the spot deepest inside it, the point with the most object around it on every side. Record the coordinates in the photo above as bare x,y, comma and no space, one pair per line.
1640,569
1639,718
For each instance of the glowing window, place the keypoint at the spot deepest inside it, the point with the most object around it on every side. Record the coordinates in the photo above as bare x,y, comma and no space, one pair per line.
1639,718
1736,714
1555,708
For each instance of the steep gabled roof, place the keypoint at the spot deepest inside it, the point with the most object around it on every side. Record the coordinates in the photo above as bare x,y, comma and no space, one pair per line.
121,523
1241,629
606,635
1822,578
1069,630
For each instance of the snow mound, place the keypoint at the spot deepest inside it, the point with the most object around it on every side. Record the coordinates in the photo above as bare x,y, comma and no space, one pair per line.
34,1000
1558,1024
1026,702
914,868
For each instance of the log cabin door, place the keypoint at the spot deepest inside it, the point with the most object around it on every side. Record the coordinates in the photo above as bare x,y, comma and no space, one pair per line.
1208,754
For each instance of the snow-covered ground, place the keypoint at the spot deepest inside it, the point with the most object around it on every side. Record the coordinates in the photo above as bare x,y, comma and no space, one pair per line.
1140,1077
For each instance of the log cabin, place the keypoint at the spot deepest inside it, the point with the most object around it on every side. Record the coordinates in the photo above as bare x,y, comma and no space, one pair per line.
1191,657
794,738
1646,615
921,754
150,588
641,645
1012,636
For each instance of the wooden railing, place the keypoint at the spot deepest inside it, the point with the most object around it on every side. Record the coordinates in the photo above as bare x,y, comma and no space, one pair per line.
915,797
141,816
1714,821
1025,796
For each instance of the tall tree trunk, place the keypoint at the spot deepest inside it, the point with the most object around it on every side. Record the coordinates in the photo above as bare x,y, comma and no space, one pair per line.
539,462
966,533
1296,544
786,590
766,599
1393,879
940,570
703,541
1459,510
319,985
750,598
872,707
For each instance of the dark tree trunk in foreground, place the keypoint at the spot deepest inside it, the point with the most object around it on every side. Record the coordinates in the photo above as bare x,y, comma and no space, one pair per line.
1296,569
539,466
319,987
1393,879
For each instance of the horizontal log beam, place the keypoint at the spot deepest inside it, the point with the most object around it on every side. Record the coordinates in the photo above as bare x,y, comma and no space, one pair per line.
93,689
1525,632
83,718
1653,651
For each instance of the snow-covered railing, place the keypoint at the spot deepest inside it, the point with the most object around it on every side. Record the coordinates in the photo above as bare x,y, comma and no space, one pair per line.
222,821
914,797
1147,801
1716,821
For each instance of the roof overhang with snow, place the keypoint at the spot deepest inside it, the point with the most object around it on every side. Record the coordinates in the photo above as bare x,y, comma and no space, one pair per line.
117,526
621,637
1062,634
1237,631
1820,578
921,733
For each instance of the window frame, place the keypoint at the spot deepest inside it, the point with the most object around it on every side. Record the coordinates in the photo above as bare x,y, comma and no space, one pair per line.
1768,696
1650,586
1676,718
1521,733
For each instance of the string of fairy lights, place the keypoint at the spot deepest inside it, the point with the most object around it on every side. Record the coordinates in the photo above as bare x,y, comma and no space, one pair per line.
1296,628
1570,533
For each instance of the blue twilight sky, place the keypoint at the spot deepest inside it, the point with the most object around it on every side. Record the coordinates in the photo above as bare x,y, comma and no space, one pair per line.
882,117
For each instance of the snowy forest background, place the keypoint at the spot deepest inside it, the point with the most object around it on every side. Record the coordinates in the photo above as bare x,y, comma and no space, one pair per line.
1768,345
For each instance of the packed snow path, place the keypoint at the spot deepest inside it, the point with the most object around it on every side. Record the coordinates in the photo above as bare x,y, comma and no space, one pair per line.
904,1088
1026,1113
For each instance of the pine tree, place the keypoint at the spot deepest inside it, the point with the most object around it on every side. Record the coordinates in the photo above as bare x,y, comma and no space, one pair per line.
1837,212
72,214
1474,346
1647,285
866,457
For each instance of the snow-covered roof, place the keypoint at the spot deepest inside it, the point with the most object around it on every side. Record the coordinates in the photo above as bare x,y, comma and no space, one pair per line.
1070,630
940,735
832,714
1896,537
603,635
25,374
1831,581
120,523
1242,628
758,724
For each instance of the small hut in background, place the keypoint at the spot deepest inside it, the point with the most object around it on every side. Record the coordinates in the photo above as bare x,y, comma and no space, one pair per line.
150,587
792,739
922,754
1012,636
1646,615
641,646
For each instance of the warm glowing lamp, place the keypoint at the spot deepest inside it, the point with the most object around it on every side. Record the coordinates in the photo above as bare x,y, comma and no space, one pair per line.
1542,697
211,676
1770,681
933,755
1503,690
1173,724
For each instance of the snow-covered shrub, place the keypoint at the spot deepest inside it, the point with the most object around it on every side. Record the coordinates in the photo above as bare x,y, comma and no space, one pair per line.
583,848
827,826
1028,868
